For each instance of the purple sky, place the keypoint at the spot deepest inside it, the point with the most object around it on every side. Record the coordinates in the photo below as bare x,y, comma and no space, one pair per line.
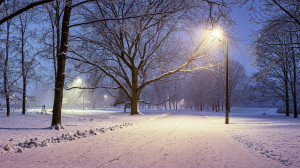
243,32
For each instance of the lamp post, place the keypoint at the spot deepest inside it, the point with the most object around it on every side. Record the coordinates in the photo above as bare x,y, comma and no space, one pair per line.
227,97
83,100
217,33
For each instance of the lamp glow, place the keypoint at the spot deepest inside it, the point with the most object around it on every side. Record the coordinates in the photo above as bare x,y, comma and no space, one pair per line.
217,33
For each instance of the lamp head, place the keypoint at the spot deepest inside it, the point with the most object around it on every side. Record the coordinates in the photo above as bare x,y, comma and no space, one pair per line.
217,33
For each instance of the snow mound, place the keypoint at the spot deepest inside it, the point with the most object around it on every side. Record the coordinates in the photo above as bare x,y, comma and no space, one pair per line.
36,143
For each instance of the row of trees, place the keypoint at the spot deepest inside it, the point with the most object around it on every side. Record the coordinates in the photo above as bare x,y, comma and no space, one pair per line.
206,89
277,50
199,90
129,42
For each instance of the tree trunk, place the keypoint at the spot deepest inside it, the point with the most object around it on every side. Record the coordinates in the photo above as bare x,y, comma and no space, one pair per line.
222,105
57,24
294,78
287,99
135,106
5,82
24,97
94,104
135,95
23,70
61,61
201,99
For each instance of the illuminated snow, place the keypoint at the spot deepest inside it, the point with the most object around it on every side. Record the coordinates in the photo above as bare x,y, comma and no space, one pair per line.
254,138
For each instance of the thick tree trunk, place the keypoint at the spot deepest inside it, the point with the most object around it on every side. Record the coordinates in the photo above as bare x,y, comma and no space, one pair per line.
135,106
135,95
61,61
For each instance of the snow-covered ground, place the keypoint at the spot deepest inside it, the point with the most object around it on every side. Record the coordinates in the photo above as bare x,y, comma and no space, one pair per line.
34,126
269,134
111,138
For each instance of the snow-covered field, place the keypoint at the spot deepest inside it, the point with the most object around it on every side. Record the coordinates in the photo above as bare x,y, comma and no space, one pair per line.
111,138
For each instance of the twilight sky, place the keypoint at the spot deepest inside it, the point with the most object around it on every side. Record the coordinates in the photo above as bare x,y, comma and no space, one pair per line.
243,31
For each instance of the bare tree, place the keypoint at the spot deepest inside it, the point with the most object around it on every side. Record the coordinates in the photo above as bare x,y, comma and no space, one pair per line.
27,63
237,82
61,62
128,48
274,58
280,14
55,13
5,69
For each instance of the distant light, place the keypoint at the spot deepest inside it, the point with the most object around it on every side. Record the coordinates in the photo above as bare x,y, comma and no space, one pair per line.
78,81
105,96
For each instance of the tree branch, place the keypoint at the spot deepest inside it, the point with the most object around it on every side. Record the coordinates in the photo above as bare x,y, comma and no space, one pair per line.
123,18
1,1
287,12
83,2
31,5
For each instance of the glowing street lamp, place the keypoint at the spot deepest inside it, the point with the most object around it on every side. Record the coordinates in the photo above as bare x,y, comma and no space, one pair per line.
217,33
105,97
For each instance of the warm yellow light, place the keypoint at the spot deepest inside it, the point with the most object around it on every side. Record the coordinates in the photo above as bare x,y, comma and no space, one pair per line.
78,81
105,96
217,33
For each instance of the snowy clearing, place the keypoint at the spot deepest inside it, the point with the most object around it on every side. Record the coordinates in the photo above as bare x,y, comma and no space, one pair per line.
254,138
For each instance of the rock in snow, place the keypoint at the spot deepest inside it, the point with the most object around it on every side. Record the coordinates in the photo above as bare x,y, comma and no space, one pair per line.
19,150
7,147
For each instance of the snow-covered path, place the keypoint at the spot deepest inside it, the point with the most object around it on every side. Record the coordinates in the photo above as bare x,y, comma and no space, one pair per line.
178,140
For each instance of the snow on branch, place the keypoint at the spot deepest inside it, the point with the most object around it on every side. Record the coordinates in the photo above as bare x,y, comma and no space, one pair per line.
91,88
